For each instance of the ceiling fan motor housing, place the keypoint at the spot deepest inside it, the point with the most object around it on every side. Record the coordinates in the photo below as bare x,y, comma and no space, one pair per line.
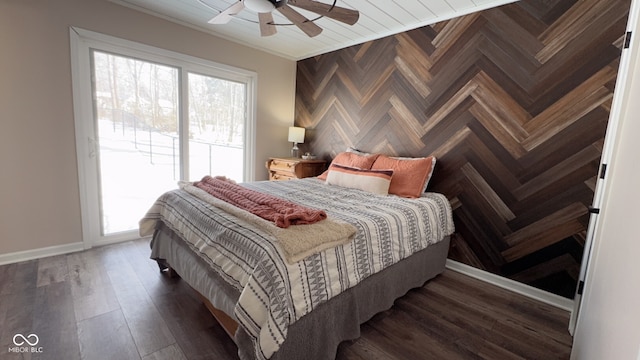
260,6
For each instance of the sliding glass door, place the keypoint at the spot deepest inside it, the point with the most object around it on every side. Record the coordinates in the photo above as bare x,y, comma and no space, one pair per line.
136,120
150,121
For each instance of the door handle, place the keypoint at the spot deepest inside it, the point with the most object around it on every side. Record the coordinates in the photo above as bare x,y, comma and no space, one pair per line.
92,147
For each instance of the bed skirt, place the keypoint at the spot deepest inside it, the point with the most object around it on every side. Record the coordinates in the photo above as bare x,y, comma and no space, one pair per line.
315,336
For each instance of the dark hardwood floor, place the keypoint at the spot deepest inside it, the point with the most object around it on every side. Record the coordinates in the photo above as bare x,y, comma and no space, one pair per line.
112,303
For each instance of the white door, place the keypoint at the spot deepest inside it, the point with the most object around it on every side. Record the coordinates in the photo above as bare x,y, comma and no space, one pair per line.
137,138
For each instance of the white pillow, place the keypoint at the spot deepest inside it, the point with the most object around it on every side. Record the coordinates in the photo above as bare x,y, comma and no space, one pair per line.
374,181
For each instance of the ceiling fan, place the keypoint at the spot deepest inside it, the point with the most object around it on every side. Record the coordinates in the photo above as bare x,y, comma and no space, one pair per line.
265,17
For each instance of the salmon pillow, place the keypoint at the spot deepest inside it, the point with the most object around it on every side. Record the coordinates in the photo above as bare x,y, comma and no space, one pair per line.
410,175
352,160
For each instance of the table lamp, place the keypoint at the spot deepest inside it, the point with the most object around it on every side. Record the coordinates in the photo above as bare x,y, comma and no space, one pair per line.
296,136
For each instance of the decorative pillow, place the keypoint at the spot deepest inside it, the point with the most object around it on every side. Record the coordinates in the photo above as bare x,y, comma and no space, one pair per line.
353,160
374,181
410,175
433,166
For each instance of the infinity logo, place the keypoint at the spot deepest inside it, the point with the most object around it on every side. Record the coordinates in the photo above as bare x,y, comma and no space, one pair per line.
25,339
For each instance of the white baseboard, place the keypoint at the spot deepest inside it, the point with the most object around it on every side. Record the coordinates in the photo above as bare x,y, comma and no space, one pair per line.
508,284
26,255
19,256
105,242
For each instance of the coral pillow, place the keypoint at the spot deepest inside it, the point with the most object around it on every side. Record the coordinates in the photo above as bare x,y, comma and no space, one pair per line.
374,181
410,175
353,160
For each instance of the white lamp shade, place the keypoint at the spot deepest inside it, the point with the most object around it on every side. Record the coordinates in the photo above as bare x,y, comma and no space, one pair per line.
296,134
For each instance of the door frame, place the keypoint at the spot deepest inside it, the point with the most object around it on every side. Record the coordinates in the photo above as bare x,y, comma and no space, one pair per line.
81,43
617,107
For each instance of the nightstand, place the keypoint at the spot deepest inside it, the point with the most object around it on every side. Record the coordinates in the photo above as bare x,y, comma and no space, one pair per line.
294,168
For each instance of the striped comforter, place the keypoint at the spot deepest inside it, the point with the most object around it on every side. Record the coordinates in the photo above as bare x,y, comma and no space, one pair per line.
273,293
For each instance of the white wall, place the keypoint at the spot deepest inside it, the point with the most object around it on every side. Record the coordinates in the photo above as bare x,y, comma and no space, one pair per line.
39,190
609,323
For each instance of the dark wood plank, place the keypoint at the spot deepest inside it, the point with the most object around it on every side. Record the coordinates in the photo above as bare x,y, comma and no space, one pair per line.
362,349
90,286
176,301
7,275
146,324
55,321
171,352
137,255
106,337
52,269
18,304
19,277
195,330
19,294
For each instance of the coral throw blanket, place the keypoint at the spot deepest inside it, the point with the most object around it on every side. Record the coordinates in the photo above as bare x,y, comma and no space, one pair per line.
282,212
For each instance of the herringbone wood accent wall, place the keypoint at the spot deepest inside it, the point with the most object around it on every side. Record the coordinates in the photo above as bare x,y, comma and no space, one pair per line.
513,101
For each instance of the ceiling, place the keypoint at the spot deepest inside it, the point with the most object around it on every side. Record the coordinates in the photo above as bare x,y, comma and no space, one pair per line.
377,19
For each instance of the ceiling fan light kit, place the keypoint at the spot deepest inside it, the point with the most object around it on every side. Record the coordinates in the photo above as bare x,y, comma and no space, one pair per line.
259,6
264,10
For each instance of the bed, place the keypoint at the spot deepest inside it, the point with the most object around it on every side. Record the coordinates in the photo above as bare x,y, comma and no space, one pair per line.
288,308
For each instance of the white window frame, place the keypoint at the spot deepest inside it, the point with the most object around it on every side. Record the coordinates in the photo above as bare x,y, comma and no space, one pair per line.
82,43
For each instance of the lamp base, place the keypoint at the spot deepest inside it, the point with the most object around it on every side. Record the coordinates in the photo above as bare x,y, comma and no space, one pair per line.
295,152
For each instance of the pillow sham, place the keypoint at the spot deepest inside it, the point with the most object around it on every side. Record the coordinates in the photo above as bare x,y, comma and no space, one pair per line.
353,160
410,175
433,166
374,181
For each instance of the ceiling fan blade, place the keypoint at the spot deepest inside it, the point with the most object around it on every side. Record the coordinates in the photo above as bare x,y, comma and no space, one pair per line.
308,27
227,14
266,24
341,14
